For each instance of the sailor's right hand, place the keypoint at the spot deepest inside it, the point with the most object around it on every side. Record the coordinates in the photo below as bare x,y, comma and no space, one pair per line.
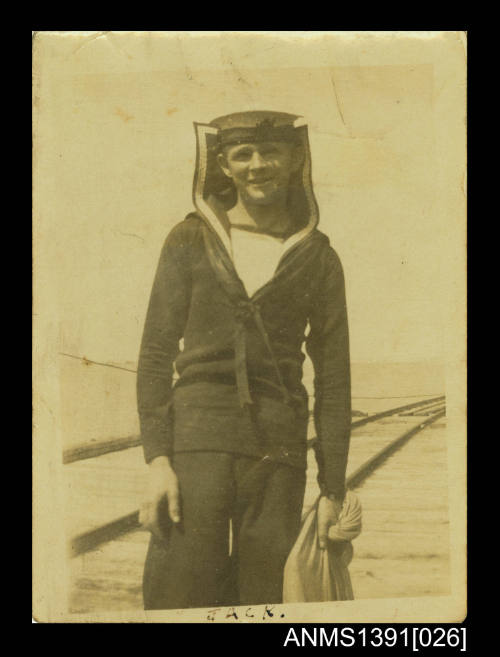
162,485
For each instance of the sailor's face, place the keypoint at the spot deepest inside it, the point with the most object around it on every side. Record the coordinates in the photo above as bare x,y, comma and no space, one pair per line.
260,171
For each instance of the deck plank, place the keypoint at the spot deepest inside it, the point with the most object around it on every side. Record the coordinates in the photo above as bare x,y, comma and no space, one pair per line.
402,551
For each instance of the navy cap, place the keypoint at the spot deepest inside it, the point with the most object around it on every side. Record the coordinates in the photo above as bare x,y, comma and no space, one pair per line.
255,126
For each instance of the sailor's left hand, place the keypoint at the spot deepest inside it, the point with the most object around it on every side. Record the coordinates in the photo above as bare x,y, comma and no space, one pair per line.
329,509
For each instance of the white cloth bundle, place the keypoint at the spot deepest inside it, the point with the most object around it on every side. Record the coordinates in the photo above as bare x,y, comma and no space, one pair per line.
314,575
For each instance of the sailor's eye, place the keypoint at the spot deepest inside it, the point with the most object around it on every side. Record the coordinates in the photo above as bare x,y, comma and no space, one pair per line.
242,155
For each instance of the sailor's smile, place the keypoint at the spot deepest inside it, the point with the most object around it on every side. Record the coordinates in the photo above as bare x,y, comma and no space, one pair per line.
260,182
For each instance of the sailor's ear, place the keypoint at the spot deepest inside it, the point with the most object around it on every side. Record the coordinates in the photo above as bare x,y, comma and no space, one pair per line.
297,157
222,162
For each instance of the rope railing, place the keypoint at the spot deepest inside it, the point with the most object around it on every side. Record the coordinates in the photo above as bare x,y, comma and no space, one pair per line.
91,539
91,450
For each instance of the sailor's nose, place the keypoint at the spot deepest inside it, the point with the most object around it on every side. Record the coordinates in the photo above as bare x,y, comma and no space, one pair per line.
257,161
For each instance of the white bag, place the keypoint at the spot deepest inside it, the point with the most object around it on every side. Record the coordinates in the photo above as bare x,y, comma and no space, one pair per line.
314,575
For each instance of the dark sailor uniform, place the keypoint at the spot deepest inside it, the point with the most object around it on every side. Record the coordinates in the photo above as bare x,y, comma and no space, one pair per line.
235,422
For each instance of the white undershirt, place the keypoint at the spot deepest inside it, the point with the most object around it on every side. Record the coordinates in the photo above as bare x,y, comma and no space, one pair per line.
256,257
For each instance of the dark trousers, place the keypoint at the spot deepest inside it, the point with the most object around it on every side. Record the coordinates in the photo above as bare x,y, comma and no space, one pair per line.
192,566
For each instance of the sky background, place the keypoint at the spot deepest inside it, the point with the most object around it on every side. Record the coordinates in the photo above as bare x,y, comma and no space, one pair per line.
116,151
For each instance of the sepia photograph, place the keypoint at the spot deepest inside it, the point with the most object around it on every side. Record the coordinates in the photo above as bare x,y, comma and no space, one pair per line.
249,327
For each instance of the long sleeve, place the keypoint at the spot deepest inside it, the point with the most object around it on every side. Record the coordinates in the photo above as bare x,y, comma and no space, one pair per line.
328,346
164,327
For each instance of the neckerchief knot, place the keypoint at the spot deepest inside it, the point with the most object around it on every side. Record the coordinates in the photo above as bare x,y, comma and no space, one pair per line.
246,311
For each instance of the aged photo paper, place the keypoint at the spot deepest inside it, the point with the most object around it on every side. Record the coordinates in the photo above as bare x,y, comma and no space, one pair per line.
128,136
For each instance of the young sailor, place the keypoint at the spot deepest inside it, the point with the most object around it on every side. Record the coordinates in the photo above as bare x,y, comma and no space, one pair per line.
240,281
